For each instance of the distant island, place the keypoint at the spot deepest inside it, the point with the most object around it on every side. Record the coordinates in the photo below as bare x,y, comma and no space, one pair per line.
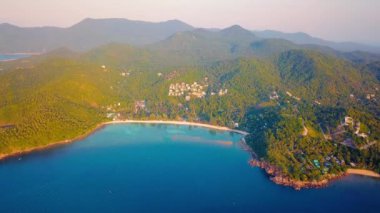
312,113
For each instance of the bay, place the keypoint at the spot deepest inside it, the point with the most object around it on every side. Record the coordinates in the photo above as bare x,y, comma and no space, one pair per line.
163,168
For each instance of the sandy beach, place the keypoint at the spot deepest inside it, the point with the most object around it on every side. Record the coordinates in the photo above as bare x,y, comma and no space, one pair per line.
363,172
101,125
221,128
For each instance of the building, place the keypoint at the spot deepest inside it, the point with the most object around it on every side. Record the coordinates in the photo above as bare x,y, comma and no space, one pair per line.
316,163
273,96
140,105
183,89
222,92
362,135
348,120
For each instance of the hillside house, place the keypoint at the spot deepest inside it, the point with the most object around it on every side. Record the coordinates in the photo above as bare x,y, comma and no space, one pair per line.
222,92
140,105
348,121
273,96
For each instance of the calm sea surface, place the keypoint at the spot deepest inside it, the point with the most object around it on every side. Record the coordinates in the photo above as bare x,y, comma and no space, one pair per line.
163,168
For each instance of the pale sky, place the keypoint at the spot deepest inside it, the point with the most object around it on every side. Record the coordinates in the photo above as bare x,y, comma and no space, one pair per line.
338,20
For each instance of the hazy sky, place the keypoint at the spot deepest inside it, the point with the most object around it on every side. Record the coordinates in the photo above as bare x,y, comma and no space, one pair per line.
340,20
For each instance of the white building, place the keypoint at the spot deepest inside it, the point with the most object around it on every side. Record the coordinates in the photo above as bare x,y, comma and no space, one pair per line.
348,120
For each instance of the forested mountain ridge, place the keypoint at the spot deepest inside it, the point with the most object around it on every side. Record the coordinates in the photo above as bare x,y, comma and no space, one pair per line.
86,34
303,38
274,89
90,33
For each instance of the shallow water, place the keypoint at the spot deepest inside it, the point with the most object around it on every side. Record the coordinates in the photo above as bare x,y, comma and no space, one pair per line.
163,168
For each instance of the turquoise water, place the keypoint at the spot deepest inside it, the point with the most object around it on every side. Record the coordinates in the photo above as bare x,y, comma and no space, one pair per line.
6,57
163,168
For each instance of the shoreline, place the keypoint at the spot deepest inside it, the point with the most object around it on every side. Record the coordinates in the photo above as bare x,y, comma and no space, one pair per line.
183,123
104,124
275,174
363,172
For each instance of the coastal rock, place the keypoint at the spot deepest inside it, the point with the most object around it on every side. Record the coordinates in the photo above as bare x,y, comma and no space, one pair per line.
278,177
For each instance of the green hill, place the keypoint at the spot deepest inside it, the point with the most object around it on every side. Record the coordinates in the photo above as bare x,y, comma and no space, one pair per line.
272,88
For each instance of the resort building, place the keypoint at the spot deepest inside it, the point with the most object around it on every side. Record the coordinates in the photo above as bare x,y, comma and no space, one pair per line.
184,89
